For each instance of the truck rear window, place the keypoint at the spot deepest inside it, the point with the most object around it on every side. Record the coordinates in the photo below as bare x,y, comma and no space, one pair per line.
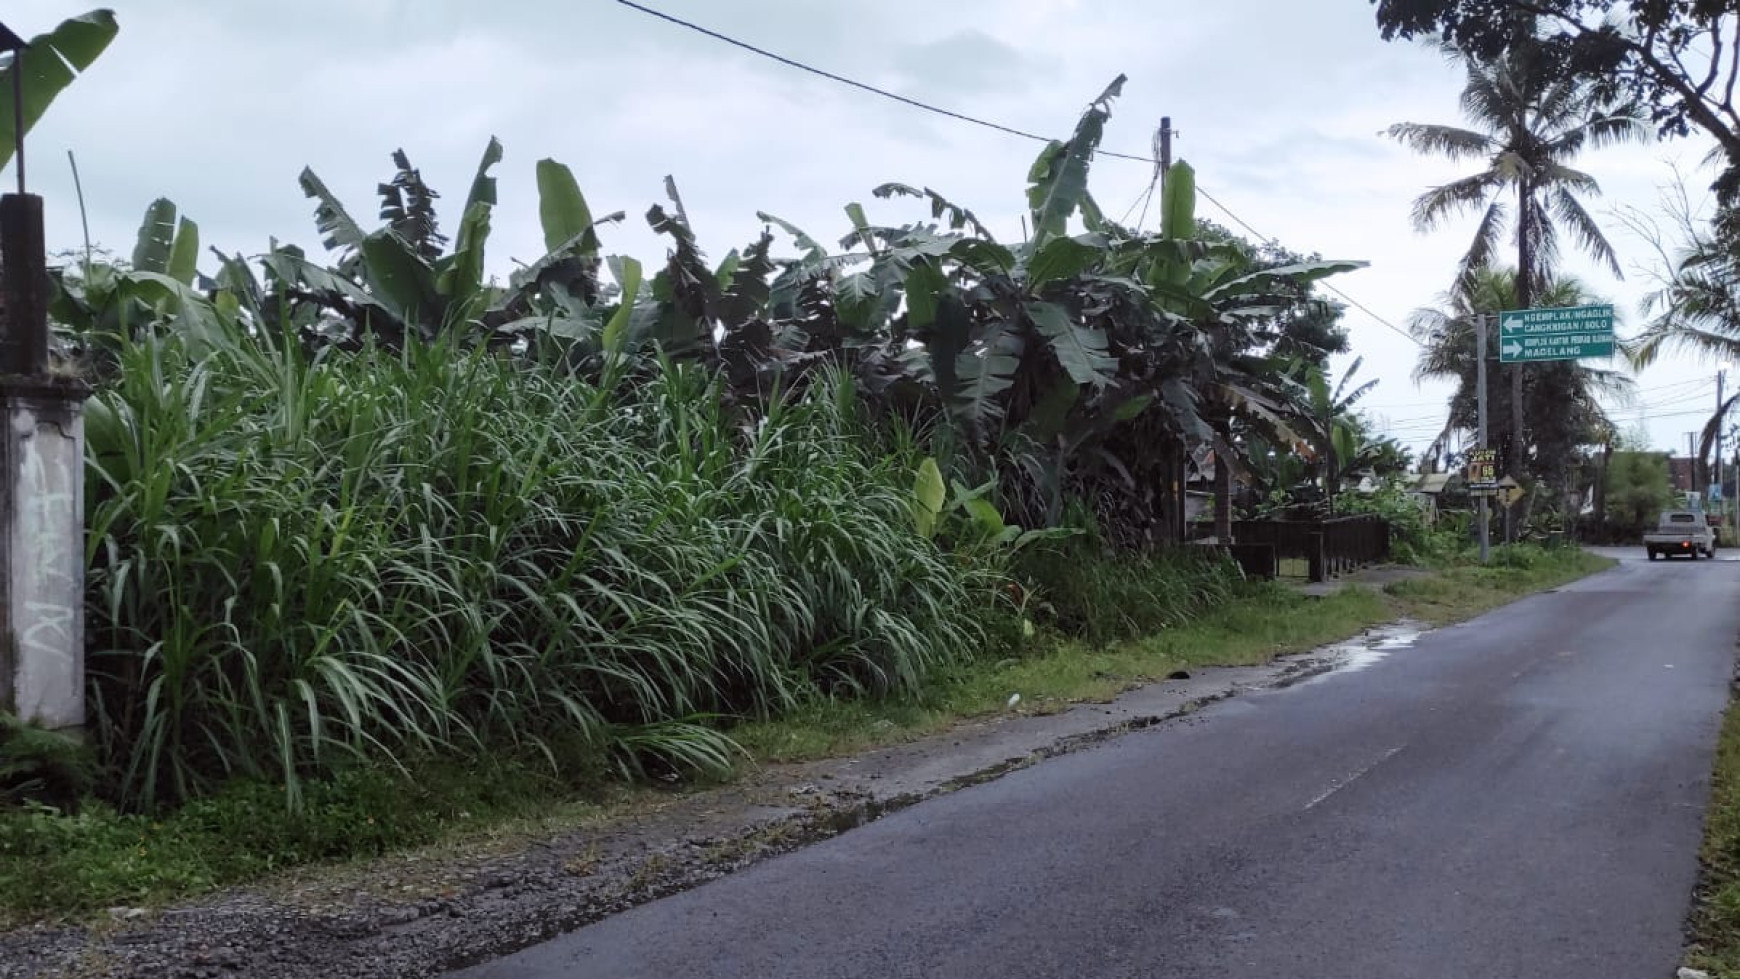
1682,518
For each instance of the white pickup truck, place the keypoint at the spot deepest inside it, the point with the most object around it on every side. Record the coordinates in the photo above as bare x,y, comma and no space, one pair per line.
1681,532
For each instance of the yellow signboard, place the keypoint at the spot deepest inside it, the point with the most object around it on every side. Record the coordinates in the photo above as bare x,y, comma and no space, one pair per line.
1483,469
1509,491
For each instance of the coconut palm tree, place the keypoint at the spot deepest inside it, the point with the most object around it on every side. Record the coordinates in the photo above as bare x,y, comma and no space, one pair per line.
1529,127
1696,309
1530,124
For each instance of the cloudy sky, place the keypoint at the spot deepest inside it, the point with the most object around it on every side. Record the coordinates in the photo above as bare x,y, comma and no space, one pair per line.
218,104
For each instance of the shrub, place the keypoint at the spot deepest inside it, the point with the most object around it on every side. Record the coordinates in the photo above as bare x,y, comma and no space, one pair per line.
41,767
1412,539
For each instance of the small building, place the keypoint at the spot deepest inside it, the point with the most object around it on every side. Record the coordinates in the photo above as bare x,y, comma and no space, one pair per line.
1426,488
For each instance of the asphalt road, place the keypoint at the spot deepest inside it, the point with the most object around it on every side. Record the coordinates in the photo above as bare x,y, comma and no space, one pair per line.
1519,796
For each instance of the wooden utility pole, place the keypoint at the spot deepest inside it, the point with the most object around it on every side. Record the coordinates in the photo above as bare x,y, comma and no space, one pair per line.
1716,475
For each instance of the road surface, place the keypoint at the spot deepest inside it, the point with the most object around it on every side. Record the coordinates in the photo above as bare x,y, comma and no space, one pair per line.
1519,796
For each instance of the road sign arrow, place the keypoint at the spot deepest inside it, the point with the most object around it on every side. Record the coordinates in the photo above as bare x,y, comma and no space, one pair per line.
1512,349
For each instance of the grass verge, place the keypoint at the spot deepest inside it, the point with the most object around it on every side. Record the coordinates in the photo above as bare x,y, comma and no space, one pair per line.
1462,591
53,866
1260,624
1715,924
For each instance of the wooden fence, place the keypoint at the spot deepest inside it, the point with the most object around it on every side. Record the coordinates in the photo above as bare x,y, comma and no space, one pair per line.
1313,549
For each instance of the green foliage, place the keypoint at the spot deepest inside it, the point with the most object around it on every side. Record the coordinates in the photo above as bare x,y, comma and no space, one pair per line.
967,522
928,496
1069,365
50,64
1638,489
1521,557
1412,539
345,514
42,767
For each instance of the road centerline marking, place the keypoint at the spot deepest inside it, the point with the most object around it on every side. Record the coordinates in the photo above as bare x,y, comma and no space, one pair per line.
1342,783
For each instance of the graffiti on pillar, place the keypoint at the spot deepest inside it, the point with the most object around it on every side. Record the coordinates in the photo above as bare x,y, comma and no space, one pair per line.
47,568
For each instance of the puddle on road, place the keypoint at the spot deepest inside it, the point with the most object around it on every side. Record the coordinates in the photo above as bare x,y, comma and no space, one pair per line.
1369,649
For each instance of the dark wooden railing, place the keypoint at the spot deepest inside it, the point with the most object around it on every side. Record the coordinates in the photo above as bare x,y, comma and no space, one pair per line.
1314,549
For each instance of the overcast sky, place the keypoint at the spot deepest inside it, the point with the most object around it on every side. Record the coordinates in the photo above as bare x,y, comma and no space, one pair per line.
218,104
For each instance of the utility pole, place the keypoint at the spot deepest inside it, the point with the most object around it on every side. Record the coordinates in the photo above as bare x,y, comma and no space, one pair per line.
1484,517
1691,462
1721,503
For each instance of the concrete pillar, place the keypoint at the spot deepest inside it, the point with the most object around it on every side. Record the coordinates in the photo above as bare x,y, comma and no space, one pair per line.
42,447
42,551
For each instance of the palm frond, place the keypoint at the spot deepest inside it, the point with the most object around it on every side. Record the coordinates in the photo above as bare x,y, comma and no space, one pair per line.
1440,203
1450,142
1584,231
1559,176
1487,236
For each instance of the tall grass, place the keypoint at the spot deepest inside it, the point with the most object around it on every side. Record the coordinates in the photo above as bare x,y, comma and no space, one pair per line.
1090,594
298,561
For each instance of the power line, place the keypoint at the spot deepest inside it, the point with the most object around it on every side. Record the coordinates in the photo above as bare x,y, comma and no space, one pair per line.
1648,416
843,80
974,120
1701,387
1675,402
1362,307
1702,381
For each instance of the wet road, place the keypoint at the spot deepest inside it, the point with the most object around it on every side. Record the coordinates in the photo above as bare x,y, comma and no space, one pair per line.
1519,796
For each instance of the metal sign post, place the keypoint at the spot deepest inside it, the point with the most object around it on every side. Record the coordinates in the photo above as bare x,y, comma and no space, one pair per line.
1480,402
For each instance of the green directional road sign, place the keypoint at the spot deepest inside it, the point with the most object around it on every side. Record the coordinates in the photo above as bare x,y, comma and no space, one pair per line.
1571,333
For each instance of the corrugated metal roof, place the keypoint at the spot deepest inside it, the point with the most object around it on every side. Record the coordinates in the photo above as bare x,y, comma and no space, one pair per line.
1433,483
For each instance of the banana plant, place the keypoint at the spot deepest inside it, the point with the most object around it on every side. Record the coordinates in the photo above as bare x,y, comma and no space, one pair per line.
51,62
968,517
401,280
166,246
94,302
1079,350
412,287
